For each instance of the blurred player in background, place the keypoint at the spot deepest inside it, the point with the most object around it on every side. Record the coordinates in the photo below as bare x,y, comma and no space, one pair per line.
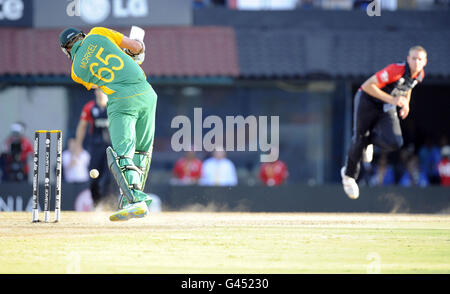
375,118
75,163
17,149
444,166
187,170
95,119
218,170
273,173
108,60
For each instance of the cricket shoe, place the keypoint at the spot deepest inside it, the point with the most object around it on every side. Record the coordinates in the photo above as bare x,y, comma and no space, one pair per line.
135,210
139,195
350,185
368,153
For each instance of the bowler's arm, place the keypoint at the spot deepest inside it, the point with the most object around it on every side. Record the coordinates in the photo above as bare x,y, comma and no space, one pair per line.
405,109
81,131
371,87
408,96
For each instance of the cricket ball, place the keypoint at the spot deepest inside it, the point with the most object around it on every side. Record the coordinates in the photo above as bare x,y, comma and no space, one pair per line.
94,173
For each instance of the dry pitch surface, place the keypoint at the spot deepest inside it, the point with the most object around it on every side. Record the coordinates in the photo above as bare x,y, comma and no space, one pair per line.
207,242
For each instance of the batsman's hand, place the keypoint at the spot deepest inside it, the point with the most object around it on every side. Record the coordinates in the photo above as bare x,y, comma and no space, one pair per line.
135,45
137,57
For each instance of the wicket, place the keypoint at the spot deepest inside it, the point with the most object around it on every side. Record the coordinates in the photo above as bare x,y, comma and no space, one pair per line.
47,185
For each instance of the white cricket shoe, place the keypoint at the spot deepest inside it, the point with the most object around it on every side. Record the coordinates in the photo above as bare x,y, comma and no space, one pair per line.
368,153
134,210
350,185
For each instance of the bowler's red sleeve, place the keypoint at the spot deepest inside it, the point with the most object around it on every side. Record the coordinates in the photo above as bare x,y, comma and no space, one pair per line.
27,147
86,112
390,74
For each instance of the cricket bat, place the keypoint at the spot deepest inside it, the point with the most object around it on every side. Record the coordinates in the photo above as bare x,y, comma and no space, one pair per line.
138,33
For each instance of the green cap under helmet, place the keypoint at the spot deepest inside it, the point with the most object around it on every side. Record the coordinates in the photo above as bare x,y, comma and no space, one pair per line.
67,37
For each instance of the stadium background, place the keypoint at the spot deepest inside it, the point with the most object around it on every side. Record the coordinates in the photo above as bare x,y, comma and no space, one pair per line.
302,64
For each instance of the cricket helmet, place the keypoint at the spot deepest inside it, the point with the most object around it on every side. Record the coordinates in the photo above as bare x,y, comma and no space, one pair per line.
67,38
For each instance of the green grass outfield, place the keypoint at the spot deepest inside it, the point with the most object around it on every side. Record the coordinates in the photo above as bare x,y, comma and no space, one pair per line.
226,243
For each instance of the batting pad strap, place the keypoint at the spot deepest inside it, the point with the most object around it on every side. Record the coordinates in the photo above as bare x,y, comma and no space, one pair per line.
126,163
124,157
143,153
135,187
143,159
116,171
132,167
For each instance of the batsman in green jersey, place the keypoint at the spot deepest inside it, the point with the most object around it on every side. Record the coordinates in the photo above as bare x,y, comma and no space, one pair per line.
108,60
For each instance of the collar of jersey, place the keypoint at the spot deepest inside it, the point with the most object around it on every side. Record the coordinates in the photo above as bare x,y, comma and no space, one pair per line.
75,48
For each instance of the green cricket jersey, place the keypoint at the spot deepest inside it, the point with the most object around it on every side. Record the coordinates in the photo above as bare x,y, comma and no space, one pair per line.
98,60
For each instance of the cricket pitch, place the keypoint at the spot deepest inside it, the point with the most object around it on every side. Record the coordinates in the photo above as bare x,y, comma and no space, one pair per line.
226,243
